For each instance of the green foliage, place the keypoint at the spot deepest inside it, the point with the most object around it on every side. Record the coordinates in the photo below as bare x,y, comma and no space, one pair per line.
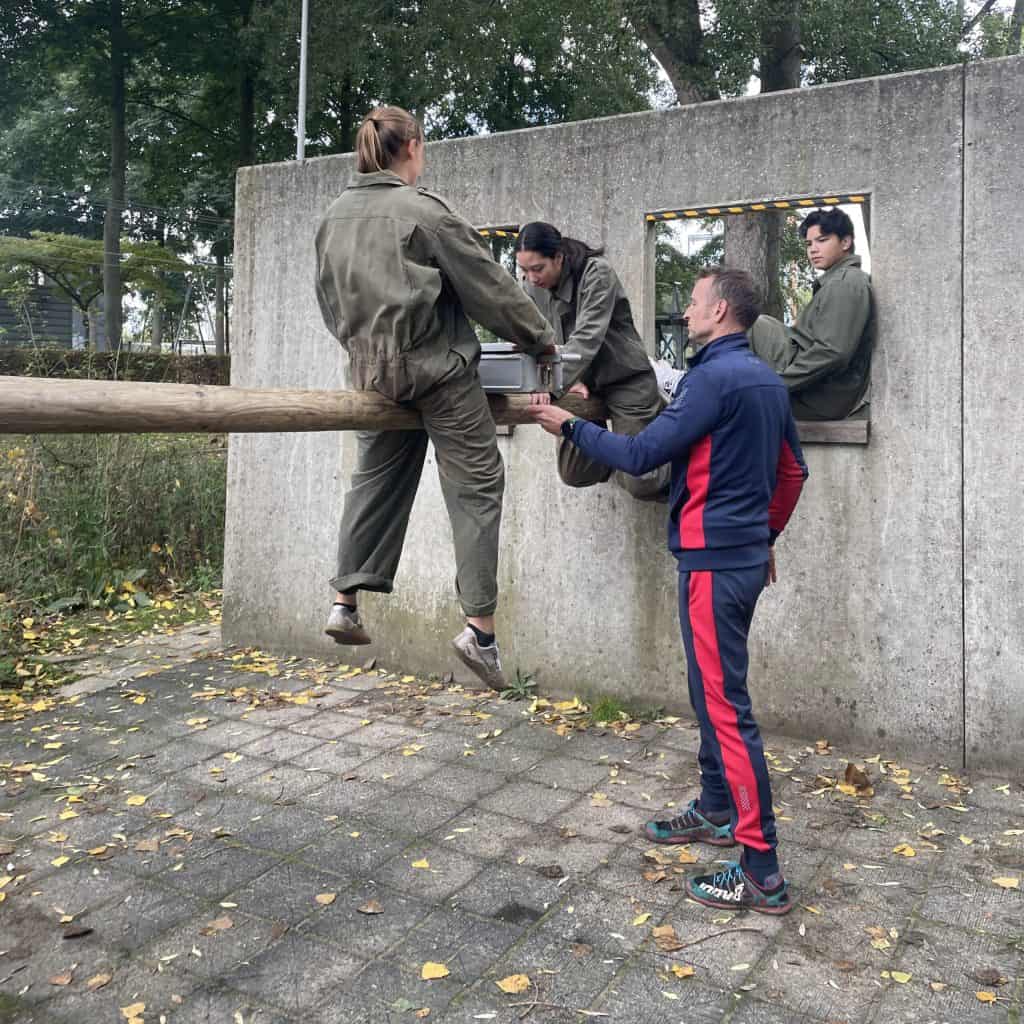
87,517
159,367
608,709
521,689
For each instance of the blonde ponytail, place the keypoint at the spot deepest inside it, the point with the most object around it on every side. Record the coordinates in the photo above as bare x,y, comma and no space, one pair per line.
381,136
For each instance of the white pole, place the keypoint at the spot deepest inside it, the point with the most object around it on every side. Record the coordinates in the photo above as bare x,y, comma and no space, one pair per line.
300,149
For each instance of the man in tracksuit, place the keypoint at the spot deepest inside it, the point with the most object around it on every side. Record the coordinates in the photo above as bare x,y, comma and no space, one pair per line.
737,472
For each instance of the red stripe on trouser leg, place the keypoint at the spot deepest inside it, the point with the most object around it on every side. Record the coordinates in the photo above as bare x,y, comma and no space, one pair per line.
736,764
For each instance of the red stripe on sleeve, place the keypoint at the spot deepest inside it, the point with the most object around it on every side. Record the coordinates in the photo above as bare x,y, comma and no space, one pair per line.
698,476
789,481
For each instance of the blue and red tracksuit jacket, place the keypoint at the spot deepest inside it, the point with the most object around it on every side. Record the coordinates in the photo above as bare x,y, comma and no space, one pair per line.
737,467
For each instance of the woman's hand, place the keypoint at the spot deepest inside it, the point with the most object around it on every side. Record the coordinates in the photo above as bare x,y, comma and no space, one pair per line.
579,388
540,398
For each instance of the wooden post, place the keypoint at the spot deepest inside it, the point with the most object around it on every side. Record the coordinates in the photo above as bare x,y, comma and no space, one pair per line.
42,405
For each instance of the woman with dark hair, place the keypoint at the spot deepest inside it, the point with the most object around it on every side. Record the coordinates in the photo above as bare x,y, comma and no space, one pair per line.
577,290
398,275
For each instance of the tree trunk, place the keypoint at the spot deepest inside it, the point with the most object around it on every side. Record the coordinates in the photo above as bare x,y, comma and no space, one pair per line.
752,243
115,204
752,240
1013,44
246,97
218,302
156,336
671,30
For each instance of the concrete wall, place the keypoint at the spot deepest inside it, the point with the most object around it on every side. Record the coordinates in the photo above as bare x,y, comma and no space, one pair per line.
863,640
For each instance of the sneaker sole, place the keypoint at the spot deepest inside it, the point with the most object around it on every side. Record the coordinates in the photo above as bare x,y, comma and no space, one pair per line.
682,840
785,908
476,668
340,636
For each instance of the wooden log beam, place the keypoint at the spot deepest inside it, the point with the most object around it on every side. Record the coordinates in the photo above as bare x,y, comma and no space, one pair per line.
43,405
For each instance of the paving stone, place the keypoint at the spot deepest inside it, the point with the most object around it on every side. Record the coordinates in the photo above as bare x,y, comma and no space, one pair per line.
211,869
410,811
131,982
347,797
336,757
281,716
567,974
468,946
139,914
287,892
568,773
341,852
752,1011
281,745
220,952
282,783
295,974
461,783
328,725
932,952
598,919
508,892
915,1002
584,818
231,735
396,770
528,801
638,995
215,1003
483,833
218,772
383,735
369,935
782,977
259,824
449,871
577,857
976,908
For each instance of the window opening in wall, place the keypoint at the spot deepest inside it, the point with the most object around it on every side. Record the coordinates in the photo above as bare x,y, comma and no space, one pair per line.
689,238
502,244
764,237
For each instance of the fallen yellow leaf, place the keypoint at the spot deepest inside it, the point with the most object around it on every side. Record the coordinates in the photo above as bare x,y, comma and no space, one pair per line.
514,984
424,863
641,919
132,1011
682,970
985,997
325,899
135,800
97,981
901,976
905,850
432,971
1007,883
59,862
686,857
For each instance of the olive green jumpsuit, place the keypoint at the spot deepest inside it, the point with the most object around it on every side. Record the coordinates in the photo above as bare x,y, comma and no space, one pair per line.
593,318
397,275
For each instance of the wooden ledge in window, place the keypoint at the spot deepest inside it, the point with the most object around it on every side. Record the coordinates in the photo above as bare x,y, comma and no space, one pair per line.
852,431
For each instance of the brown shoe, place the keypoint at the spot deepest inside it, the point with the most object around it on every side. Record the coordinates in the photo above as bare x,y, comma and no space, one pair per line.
344,627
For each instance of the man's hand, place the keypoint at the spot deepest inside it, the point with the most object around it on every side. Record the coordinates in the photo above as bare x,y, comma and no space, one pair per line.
550,417
540,398
579,388
772,576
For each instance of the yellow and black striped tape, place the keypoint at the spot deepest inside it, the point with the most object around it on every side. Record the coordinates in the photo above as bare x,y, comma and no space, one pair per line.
759,207
509,231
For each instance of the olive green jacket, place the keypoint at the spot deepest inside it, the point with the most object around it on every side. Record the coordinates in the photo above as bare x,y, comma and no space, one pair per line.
825,357
594,320
397,276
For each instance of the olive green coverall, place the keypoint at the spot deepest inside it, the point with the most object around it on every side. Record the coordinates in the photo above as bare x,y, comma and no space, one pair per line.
593,319
824,359
397,275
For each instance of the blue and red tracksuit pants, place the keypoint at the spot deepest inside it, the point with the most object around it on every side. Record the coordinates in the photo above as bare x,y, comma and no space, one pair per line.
716,608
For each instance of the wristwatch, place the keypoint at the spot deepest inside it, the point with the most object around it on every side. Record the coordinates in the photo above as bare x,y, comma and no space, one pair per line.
568,426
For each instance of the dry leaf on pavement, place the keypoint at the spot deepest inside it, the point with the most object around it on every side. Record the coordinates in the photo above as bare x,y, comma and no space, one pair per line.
514,984
432,971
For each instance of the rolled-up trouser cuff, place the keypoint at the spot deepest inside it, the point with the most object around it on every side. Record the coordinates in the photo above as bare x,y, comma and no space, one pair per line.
362,581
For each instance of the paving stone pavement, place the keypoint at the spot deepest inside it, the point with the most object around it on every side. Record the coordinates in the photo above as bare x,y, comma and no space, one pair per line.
199,837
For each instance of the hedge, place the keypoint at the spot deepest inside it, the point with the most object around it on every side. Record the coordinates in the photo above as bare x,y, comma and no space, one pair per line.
84,363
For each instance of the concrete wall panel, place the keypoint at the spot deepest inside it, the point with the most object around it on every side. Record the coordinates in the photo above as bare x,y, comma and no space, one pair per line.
862,640
993,412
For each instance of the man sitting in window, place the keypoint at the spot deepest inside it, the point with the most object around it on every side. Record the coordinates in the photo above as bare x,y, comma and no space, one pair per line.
824,358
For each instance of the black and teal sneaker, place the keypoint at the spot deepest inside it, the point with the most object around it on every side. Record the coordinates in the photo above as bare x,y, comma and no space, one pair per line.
732,888
690,827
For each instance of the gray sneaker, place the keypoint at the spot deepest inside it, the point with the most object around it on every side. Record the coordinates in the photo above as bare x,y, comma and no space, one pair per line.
344,627
484,662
